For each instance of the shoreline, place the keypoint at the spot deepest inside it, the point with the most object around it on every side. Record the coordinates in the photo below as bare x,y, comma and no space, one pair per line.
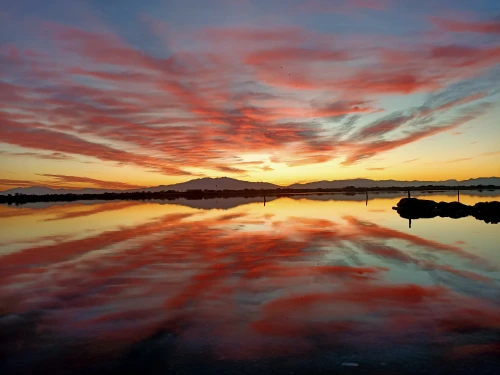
209,194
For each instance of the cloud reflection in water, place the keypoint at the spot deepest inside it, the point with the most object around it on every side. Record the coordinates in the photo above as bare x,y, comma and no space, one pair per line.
244,284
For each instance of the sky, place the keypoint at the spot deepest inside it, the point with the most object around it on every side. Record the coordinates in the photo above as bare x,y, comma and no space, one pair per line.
124,94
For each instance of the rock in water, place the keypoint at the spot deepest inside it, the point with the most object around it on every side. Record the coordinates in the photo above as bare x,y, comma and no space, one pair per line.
413,208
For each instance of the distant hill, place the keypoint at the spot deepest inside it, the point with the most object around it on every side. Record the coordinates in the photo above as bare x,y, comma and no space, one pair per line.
41,190
38,190
225,183
366,183
221,183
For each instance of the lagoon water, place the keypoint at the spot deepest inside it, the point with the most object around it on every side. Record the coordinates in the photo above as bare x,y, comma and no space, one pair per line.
294,285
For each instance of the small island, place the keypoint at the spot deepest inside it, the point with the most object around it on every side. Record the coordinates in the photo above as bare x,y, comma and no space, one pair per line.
414,208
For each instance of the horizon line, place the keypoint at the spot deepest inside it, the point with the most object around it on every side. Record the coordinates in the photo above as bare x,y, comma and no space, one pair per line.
235,179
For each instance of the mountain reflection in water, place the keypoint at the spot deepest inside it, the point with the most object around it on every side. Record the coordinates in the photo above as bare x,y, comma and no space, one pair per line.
298,285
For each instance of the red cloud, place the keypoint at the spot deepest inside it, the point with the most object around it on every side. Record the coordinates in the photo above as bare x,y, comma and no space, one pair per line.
245,93
387,82
254,35
35,137
462,56
454,103
483,27
288,55
227,169
383,126
51,156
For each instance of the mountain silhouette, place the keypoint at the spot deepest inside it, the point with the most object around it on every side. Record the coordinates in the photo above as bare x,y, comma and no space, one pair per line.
226,183
42,190
220,183
367,183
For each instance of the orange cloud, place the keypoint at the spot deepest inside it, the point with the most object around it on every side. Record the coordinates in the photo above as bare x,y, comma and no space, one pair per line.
24,135
51,156
16,183
92,181
227,169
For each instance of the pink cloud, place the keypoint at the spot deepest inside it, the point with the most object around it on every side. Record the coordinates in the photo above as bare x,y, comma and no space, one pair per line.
383,126
285,56
344,6
262,90
459,26
254,35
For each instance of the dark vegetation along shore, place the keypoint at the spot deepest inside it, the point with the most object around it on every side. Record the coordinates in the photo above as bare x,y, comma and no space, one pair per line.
413,208
19,199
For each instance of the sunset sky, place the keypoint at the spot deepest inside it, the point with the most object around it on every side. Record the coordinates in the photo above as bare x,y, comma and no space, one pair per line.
126,93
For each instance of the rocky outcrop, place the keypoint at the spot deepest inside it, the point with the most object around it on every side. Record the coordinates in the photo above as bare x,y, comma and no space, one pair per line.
413,208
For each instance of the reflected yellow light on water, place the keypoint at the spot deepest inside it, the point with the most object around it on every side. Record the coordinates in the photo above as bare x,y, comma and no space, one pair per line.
51,223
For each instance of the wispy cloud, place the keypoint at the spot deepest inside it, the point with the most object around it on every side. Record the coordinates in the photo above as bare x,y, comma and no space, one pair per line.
458,160
292,93
465,26
343,6
51,156
92,181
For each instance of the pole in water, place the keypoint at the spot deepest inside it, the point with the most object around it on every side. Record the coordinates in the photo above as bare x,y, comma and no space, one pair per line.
458,191
264,200
408,193
409,223
366,192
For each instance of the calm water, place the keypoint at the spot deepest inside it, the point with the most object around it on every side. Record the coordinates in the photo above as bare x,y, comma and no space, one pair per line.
317,284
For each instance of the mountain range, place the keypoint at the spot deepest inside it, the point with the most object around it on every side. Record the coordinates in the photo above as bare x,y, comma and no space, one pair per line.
367,183
226,183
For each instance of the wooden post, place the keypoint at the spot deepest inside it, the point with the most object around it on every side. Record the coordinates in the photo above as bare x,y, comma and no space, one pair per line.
366,192
408,193
409,223
458,191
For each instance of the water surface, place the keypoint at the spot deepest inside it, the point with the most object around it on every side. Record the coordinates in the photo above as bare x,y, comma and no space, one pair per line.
309,284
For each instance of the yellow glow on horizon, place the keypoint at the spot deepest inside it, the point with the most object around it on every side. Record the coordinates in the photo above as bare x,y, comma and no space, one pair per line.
441,164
